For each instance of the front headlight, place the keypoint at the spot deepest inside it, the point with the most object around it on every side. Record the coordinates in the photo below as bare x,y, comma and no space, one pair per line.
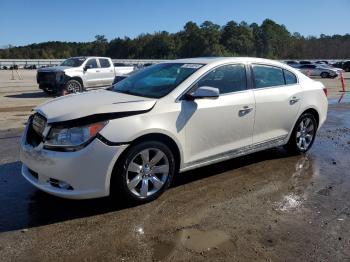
72,138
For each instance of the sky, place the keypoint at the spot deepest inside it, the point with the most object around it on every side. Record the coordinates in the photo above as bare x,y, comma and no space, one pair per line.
32,21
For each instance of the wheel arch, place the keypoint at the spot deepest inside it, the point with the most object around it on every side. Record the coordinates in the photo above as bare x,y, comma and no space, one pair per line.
77,78
314,112
161,137
311,110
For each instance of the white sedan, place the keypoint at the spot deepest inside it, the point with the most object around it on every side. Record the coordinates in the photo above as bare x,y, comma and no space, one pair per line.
168,118
323,71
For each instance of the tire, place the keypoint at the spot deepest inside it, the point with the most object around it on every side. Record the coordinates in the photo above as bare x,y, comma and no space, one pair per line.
73,86
324,75
135,177
300,140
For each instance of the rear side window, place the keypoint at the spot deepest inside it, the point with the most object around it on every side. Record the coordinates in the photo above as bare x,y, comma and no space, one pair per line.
290,78
267,76
104,63
228,79
91,63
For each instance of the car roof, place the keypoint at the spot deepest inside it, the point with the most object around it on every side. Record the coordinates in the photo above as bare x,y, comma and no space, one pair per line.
209,60
86,57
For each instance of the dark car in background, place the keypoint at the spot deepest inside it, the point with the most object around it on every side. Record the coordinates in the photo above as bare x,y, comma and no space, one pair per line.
305,62
346,66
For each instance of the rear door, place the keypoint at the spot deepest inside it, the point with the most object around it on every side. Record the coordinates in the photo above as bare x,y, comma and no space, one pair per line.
277,97
92,74
106,71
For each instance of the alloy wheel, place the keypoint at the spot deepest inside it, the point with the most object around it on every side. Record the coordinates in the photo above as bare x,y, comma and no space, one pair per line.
147,172
73,87
305,133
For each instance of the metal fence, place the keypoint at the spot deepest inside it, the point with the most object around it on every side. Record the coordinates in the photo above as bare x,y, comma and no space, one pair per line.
51,62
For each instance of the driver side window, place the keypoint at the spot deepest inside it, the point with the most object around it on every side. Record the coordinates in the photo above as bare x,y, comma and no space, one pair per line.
91,63
228,79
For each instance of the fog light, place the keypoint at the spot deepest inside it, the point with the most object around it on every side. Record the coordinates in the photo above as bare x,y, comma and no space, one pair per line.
60,184
64,185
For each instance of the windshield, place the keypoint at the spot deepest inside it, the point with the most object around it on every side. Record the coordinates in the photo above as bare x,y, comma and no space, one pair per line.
73,62
156,81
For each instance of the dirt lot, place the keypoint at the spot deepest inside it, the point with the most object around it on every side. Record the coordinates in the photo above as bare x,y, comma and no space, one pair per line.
269,206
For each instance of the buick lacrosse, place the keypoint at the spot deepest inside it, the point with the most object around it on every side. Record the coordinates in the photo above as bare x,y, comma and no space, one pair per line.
168,118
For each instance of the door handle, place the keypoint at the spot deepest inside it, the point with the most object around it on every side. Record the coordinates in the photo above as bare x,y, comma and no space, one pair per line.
97,71
294,100
245,110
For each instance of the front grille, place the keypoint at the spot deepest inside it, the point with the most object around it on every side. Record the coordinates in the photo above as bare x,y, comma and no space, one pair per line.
36,126
46,77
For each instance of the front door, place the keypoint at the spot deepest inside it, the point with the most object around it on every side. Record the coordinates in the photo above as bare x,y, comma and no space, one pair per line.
92,74
223,125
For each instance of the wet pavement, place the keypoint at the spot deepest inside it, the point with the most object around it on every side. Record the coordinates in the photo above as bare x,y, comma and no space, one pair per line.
268,206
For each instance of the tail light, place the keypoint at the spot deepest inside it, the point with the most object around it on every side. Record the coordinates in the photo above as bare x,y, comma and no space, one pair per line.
325,91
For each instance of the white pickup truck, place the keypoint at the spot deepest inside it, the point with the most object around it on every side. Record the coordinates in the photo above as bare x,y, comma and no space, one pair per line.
76,74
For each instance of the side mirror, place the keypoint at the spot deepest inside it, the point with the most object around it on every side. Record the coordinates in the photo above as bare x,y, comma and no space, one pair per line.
204,92
87,67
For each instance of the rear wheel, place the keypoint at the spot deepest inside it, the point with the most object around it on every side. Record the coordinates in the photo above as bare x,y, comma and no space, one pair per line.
303,134
144,172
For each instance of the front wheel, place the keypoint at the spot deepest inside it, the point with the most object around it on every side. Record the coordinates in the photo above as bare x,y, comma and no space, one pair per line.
303,134
324,75
73,86
144,172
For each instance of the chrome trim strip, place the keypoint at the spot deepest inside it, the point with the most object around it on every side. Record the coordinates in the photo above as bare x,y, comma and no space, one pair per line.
278,141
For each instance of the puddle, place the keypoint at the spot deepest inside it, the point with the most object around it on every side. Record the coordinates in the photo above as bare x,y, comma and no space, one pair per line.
298,183
343,98
289,202
200,241
192,239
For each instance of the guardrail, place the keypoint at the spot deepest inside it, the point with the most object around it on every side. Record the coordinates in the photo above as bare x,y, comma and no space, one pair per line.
48,62
51,62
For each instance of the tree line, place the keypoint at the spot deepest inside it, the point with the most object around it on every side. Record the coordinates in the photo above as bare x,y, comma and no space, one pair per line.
269,40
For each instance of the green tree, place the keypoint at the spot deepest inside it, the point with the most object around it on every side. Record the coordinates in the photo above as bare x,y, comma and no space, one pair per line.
191,41
238,39
275,39
100,45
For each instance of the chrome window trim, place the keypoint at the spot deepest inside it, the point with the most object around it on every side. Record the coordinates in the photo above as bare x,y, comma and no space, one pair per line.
269,87
179,98
293,75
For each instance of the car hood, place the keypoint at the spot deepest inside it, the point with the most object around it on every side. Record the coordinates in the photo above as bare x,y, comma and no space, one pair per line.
53,68
92,103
